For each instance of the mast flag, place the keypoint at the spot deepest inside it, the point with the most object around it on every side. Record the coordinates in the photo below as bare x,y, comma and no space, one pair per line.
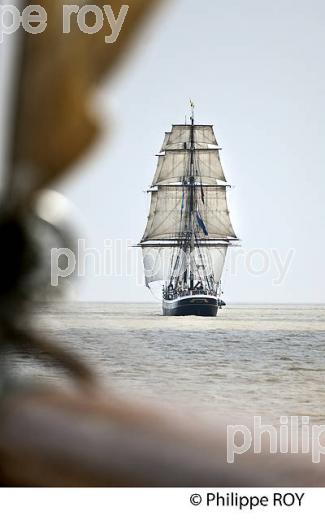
201,223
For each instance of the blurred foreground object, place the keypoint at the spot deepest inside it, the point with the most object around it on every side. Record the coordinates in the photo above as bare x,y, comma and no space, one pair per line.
58,74
85,439
52,125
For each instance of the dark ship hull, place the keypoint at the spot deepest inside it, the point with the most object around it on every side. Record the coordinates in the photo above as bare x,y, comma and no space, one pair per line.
202,305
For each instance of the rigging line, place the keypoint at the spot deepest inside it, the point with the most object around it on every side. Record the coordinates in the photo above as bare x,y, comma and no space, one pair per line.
217,213
212,170
176,264
197,170
203,263
204,278
198,270
199,175
207,257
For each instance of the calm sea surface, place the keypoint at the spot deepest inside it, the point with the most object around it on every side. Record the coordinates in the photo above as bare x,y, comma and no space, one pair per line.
264,360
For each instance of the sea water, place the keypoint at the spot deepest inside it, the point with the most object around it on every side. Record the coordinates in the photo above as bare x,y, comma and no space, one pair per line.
266,360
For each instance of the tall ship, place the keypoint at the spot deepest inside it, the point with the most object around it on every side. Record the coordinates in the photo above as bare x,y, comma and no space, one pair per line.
189,228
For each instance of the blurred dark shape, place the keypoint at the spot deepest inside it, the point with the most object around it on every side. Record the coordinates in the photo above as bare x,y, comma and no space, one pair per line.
53,125
17,265
87,439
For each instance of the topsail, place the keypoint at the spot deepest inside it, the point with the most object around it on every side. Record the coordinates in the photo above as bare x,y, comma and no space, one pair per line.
180,136
166,210
173,163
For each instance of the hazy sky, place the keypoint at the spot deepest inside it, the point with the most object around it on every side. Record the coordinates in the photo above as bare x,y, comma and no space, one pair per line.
255,69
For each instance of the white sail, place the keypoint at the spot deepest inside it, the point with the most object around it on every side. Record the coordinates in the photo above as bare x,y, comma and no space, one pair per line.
167,135
167,207
215,214
213,259
165,214
173,167
159,262
181,136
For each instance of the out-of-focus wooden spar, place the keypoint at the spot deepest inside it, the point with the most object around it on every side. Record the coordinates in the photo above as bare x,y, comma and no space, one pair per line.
54,121
28,341
85,440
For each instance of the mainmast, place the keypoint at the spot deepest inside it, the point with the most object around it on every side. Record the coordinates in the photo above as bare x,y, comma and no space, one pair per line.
191,182
191,174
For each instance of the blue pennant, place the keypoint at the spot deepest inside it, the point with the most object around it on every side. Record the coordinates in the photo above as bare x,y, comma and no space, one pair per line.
201,224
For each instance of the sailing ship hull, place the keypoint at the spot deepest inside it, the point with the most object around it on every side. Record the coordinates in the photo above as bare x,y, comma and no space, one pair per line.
191,306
